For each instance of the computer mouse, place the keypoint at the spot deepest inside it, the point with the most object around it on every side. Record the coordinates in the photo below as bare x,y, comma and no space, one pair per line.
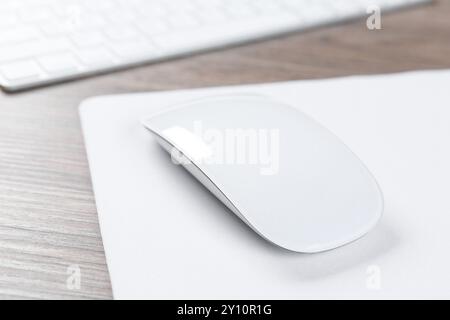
285,175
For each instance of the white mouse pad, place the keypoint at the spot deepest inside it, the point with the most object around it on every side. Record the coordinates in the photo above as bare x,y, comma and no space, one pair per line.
167,237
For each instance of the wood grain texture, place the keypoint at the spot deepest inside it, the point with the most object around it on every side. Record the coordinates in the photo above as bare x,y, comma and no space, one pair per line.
48,219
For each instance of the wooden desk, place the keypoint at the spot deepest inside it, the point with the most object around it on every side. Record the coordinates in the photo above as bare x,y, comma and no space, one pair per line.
48,219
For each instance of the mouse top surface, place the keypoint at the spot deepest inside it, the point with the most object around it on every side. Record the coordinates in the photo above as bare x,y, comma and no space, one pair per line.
285,175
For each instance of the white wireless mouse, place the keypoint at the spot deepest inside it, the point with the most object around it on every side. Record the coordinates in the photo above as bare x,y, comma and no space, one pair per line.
285,175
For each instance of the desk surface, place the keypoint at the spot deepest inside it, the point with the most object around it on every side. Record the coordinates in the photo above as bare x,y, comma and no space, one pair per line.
48,219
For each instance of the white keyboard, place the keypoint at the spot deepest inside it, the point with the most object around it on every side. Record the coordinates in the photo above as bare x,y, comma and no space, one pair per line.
47,41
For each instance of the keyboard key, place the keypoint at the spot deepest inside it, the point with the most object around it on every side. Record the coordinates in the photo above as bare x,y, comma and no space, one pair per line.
72,24
121,32
153,26
60,63
20,70
89,21
101,5
56,27
152,9
33,48
213,16
67,10
131,50
91,38
18,34
34,14
7,19
182,20
179,6
96,57
268,6
240,10
121,16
